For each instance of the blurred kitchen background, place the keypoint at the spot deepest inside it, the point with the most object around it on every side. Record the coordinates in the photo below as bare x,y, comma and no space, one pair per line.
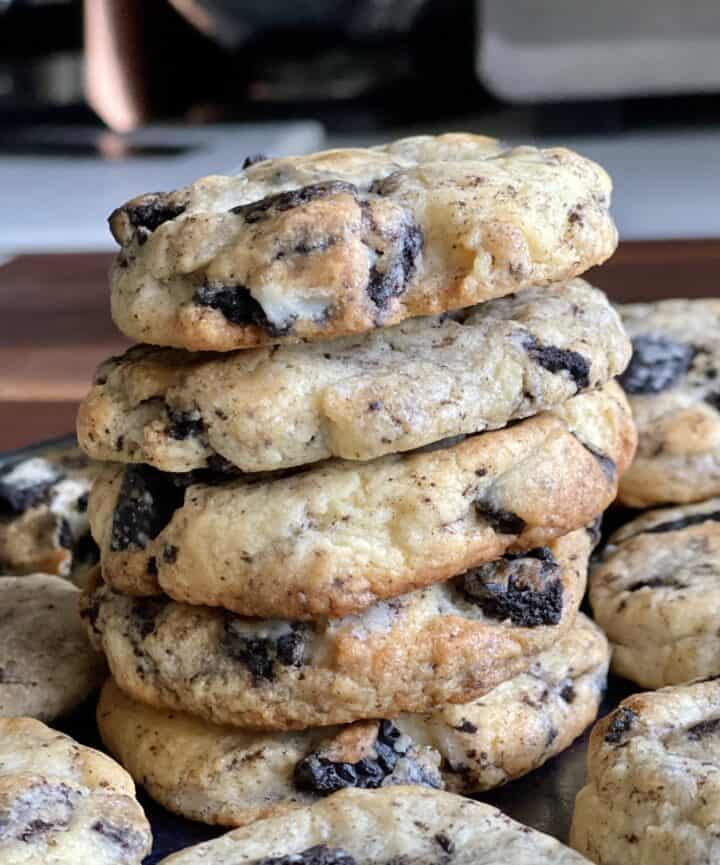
104,99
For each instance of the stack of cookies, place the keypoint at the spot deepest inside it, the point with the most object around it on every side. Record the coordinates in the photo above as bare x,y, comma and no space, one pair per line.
353,473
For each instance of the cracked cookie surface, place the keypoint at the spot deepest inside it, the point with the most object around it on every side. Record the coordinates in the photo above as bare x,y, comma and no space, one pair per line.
653,781
411,653
43,514
673,387
223,775
656,592
357,397
344,241
47,664
63,804
336,537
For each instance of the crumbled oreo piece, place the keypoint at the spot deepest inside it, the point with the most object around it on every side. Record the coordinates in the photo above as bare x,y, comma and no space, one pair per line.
90,610
320,775
150,211
238,306
397,265
713,399
683,523
621,723
124,837
281,201
609,469
318,855
555,360
261,654
385,185
657,363
148,498
665,582
445,842
502,521
523,587
26,484
170,554
65,535
703,729
568,693
184,424
42,808
145,612
253,159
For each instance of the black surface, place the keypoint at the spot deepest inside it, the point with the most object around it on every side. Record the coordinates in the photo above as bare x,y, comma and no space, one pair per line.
543,799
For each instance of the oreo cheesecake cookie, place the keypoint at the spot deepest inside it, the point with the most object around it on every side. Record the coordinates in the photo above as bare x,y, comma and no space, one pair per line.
64,804
43,514
673,388
341,242
357,398
384,827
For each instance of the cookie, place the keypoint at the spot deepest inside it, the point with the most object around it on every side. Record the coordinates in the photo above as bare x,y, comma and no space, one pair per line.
653,781
64,804
359,397
524,721
43,514
47,665
447,643
335,538
231,777
315,247
656,593
673,387
384,827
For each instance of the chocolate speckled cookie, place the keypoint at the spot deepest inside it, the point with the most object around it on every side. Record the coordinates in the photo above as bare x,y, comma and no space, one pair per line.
359,397
522,722
448,643
43,514
64,804
674,390
653,787
344,241
223,775
656,593
409,825
231,777
337,537
47,665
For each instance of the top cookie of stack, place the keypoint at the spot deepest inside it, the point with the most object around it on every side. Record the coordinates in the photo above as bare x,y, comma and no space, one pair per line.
315,247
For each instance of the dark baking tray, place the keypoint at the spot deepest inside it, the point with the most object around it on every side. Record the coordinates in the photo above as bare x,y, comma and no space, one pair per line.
543,799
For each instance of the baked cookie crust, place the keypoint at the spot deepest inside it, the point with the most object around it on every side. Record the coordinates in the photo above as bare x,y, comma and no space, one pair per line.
343,241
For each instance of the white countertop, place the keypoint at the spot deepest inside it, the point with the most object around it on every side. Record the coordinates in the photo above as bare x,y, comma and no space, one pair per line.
667,184
62,203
